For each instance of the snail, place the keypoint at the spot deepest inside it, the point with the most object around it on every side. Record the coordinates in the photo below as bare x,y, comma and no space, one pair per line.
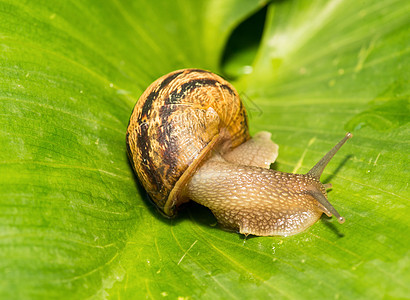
188,139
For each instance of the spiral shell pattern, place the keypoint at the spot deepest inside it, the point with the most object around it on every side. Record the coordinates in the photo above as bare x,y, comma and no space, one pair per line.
178,121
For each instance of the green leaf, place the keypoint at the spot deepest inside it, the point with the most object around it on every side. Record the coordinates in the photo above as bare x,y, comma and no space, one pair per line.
74,223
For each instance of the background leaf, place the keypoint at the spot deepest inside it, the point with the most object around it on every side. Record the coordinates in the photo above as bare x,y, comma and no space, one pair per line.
75,224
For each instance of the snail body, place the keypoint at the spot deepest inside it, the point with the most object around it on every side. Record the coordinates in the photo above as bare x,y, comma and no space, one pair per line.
188,139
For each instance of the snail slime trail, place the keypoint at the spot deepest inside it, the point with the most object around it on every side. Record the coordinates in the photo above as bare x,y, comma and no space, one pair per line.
188,139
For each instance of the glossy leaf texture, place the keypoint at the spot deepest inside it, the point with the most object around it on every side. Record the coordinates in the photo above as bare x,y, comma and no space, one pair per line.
74,223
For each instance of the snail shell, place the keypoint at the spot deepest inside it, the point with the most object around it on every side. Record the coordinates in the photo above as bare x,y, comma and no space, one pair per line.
175,124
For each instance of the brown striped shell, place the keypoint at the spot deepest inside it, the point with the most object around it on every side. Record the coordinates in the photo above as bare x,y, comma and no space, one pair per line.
176,123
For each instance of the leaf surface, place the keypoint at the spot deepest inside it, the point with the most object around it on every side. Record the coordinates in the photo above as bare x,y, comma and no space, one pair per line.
74,223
